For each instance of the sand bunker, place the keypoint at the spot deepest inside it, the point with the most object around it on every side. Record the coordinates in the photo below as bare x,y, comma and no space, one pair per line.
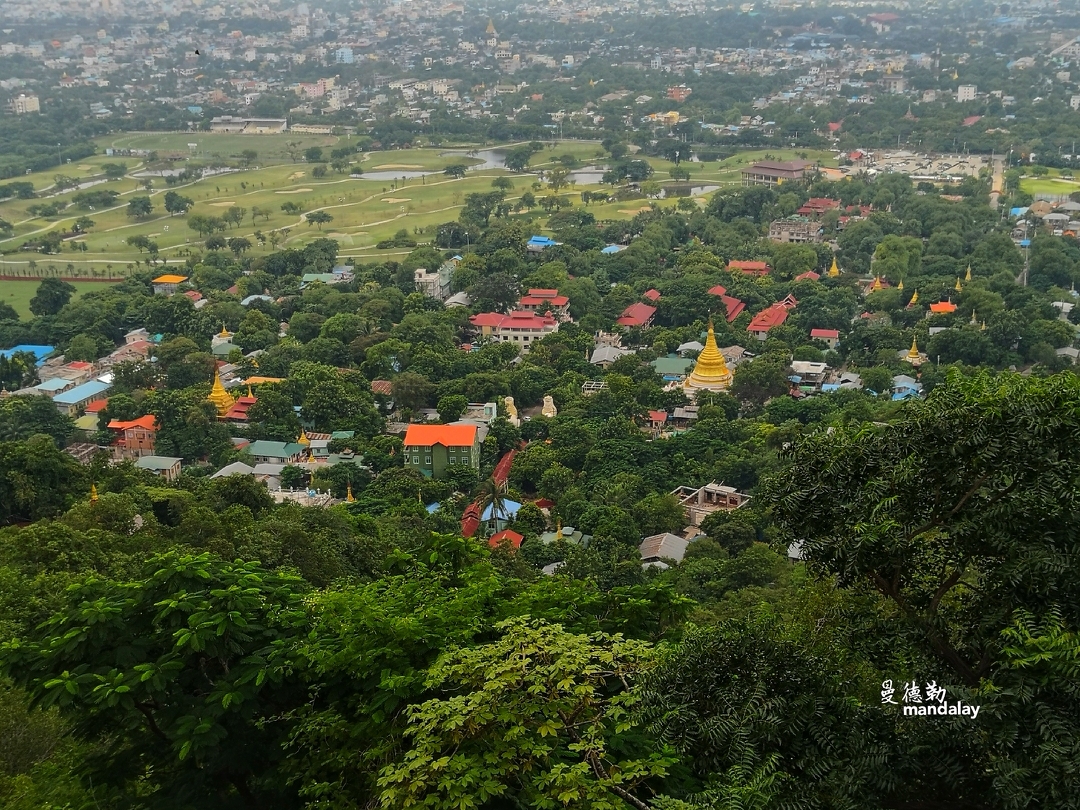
399,166
296,175
294,191
83,167
396,200
634,210
223,204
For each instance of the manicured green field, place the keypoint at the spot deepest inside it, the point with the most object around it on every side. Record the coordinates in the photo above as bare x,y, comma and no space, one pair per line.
271,148
366,210
19,293
1049,185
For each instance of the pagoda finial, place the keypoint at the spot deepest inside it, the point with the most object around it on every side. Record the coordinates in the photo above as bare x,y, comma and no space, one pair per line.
834,270
900,285
303,439
967,275
958,287
914,298
250,395
348,494
93,493
913,353
973,321
224,332
311,457
876,286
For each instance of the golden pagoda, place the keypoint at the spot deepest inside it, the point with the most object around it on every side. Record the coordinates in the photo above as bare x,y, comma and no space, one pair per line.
983,327
967,275
913,355
710,371
221,398
311,457
958,287
224,333
303,439
490,27
914,298
249,394
900,285
93,493
876,286
973,321
834,271
348,494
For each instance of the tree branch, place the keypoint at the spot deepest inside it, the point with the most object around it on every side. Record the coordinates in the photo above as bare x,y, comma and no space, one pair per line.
151,722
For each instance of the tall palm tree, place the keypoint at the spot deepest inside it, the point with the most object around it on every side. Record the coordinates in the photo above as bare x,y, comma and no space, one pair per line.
491,493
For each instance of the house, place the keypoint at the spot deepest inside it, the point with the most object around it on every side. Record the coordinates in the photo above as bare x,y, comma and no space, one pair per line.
732,306
637,315
435,284
433,449
604,356
656,549
519,327
672,367
54,386
808,375
749,268
165,466
546,302
539,243
774,172
167,284
679,93
39,352
651,295
657,422
701,502
236,468
134,438
73,401
816,206
831,337
495,518
770,317
269,452
567,534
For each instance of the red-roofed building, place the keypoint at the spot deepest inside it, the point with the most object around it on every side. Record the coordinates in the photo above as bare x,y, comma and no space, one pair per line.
432,449
470,521
732,306
770,317
834,127
829,336
194,295
519,327
943,308
134,438
506,536
97,406
809,275
637,315
239,411
816,206
383,387
502,469
544,503
546,301
651,295
750,268
971,120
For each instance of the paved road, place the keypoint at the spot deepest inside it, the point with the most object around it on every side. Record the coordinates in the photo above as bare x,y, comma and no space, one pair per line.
997,186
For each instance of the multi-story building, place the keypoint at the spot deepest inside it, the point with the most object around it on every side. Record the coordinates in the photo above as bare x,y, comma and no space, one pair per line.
546,302
435,285
774,172
701,502
520,328
966,92
134,438
24,103
795,230
433,449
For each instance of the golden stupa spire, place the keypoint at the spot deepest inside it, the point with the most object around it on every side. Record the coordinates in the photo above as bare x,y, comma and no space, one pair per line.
348,494
967,275
900,285
959,287
490,26
311,457
250,395
224,332
221,398
303,439
973,321
983,327
710,371
876,286
93,493
955,75
834,270
913,352
914,298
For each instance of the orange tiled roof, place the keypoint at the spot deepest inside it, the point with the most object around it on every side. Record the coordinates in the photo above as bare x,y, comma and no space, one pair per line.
446,435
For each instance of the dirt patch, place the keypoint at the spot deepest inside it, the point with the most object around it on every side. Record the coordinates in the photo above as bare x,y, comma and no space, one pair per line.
296,175
83,167
634,210
399,166
294,191
396,200
223,204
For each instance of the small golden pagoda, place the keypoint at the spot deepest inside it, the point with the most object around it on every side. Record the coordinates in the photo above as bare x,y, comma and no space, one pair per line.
224,333
93,493
834,271
348,494
876,286
710,371
973,321
967,275
900,285
983,327
958,287
311,456
221,398
913,355
303,439
914,299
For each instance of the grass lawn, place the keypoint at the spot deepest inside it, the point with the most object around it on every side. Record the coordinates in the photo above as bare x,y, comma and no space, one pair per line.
19,293
1049,185
366,210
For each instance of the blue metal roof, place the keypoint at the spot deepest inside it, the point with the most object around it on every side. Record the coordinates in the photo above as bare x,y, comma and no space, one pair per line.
82,392
40,352
55,384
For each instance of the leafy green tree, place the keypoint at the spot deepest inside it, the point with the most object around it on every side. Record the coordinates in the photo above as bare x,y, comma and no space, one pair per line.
313,154
52,296
759,380
180,668
139,207
561,736
319,218
451,407
38,480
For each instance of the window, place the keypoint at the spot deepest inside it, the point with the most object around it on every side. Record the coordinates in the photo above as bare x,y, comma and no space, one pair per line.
427,459
453,460
416,459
